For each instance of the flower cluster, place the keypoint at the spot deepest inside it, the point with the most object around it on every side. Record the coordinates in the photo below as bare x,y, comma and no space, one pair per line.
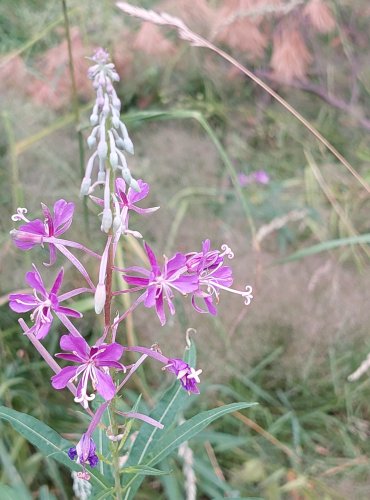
202,275
199,274
109,135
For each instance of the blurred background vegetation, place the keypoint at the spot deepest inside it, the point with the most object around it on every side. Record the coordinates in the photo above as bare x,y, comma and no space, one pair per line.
227,162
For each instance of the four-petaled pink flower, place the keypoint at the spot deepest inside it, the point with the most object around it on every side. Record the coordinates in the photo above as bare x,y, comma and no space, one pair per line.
93,364
159,283
37,232
188,376
42,303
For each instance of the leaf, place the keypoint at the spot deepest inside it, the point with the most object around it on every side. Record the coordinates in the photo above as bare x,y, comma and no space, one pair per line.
325,246
172,402
49,442
179,435
145,470
8,493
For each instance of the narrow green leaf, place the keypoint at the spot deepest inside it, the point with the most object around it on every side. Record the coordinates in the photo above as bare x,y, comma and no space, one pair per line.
145,470
179,435
325,246
49,442
8,493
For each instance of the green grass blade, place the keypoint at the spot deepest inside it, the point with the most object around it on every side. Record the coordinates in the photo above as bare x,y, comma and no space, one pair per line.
179,435
325,246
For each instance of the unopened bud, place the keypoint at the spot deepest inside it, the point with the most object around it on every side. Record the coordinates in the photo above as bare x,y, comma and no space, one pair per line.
102,149
113,159
99,298
126,174
107,220
85,186
128,145
115,121
120,143
91,141
117,222
94,119
134,185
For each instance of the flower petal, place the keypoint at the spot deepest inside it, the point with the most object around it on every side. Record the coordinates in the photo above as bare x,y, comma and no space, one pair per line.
77,345
63,215
58,282
61,379
68,312
34,279
21,302
152,259
105,385
111,352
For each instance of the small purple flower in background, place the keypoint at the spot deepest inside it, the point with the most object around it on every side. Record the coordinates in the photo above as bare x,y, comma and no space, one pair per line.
159,283
36,231
258,177
213,276
84,452
93,364
188,376
42,302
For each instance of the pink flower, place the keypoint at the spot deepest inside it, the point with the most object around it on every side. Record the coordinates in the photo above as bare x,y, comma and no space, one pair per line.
36,232
160,283
93,364
42,303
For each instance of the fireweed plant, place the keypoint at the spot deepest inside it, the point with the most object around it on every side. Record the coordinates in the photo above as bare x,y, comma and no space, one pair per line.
100,369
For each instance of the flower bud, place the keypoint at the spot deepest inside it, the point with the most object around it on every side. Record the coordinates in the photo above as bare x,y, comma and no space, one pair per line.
117,222
85,186
107,219
126,174
113,159
94,119
134,185
102,149
115,121
99,298
91,141
128,145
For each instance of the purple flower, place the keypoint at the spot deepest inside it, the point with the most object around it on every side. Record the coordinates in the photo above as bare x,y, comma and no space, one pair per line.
84,452
42,303
36,231
213,276
188,377
258,177
92,364
126,201
159,283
